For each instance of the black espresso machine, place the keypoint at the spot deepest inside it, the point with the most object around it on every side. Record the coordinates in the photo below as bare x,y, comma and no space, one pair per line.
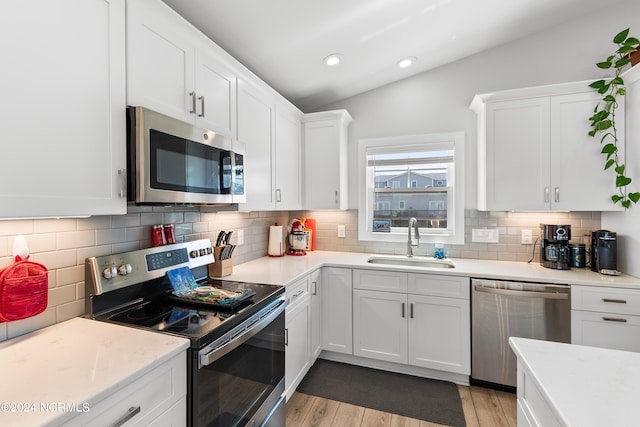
604,252
554,246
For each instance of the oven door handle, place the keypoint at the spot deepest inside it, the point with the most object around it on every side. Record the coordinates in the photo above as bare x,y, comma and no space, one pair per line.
212,356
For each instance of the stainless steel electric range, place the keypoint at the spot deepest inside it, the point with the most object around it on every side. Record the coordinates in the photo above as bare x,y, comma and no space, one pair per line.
236,359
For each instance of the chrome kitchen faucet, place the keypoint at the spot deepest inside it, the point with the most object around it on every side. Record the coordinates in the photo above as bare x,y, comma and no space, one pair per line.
412,223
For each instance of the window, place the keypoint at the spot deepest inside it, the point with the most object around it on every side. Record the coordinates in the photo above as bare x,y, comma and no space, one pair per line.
424,177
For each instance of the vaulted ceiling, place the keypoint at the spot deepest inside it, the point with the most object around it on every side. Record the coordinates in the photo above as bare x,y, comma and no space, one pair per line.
284,42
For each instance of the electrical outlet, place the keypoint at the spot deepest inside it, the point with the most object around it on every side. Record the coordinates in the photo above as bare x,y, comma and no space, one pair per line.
342,231
240,236
526,237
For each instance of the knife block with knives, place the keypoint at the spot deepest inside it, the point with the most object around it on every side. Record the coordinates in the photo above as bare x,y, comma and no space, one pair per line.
222,251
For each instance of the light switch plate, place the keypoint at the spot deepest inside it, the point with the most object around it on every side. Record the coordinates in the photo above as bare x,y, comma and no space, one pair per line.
484,235
240,235
342,231
526,237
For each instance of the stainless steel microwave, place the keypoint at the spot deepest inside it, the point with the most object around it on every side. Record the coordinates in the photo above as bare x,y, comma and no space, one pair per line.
171,162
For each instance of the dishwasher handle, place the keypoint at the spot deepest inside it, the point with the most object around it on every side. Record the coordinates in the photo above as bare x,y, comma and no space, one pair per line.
526,294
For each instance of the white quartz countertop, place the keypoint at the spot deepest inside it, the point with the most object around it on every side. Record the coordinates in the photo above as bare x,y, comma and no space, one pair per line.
284,270
78,362
586,386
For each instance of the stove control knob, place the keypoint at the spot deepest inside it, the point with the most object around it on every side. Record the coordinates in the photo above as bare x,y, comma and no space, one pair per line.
193,253
124,269
110,272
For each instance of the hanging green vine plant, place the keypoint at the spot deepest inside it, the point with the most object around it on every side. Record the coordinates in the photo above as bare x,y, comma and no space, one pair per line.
603,120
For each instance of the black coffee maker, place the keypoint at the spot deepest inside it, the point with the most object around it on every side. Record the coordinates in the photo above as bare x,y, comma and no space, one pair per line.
604,251
554,246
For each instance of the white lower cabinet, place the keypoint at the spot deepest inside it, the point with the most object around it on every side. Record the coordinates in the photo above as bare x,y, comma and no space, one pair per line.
337,321
605,317
316,314
297,337
416,329
157,398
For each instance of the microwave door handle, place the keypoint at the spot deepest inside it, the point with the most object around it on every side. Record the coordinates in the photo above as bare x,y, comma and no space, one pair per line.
208,358
201,98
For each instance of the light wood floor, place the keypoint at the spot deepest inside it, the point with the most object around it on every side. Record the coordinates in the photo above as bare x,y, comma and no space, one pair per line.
482,407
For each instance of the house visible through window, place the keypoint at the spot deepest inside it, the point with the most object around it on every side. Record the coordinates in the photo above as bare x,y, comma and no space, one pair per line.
418,176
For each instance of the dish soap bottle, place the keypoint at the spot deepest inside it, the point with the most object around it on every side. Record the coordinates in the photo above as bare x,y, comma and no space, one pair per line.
439,252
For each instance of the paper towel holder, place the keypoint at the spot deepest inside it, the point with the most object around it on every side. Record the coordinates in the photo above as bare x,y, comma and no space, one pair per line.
276,242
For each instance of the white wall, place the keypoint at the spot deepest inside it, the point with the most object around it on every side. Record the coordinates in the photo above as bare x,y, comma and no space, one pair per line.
438,100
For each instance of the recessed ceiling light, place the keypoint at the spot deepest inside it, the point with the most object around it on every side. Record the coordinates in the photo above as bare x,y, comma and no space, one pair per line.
332,60
407,62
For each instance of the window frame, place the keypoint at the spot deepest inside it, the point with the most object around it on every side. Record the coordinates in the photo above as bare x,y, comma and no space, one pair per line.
422,142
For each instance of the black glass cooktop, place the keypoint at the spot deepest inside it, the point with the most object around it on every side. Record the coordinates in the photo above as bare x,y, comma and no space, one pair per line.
199,323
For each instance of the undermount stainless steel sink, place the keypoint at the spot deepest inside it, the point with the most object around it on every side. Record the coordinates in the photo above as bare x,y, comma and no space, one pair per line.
412,261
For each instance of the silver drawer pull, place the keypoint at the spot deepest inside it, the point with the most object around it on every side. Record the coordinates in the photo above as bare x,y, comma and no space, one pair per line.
297,294
132,412
617,301
614,319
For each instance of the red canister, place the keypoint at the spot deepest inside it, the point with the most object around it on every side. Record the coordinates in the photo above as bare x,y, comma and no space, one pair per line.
169,233
157,236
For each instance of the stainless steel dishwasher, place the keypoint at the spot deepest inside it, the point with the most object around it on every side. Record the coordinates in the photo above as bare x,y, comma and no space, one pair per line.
502,309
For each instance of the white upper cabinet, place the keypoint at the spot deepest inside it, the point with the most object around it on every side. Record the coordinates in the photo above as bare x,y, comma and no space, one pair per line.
288,158
534,152
255,130
63,108
325,153
175,70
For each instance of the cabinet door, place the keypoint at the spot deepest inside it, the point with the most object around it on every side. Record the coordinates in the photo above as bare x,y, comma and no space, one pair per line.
578,179
316,314
380,325
255,116
337,297
439,333
297,349
288,160
517,170
160,60
215,94
606,330
63,103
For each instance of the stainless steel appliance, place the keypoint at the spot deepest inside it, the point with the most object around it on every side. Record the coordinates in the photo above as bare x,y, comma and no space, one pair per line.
235,363
171,162
555,251
604,251
503,309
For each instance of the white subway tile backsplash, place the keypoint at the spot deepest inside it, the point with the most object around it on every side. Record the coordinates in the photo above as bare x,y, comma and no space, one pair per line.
55,225
70,275
94,223
56,259
75,239
11,228
110,236
62,295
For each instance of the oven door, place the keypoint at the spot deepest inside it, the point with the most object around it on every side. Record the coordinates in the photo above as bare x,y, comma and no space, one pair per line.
241,382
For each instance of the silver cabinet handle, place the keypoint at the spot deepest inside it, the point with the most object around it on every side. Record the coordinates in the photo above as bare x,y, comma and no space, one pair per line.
286,336
402,309
614,319
617,301
193,102
546,194
132,412
557,194
297,294
337,198
315,291
278,195
201,98
122,173
411,310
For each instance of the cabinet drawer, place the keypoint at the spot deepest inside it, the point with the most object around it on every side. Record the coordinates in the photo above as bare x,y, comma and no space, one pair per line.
153,394
608,300
439,285
606,330
379,280
297,291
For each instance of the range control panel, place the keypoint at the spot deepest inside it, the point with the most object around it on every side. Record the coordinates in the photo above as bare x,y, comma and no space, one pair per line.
110,272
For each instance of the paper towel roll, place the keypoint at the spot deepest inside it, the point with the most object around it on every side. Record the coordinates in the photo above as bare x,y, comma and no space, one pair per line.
276,245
